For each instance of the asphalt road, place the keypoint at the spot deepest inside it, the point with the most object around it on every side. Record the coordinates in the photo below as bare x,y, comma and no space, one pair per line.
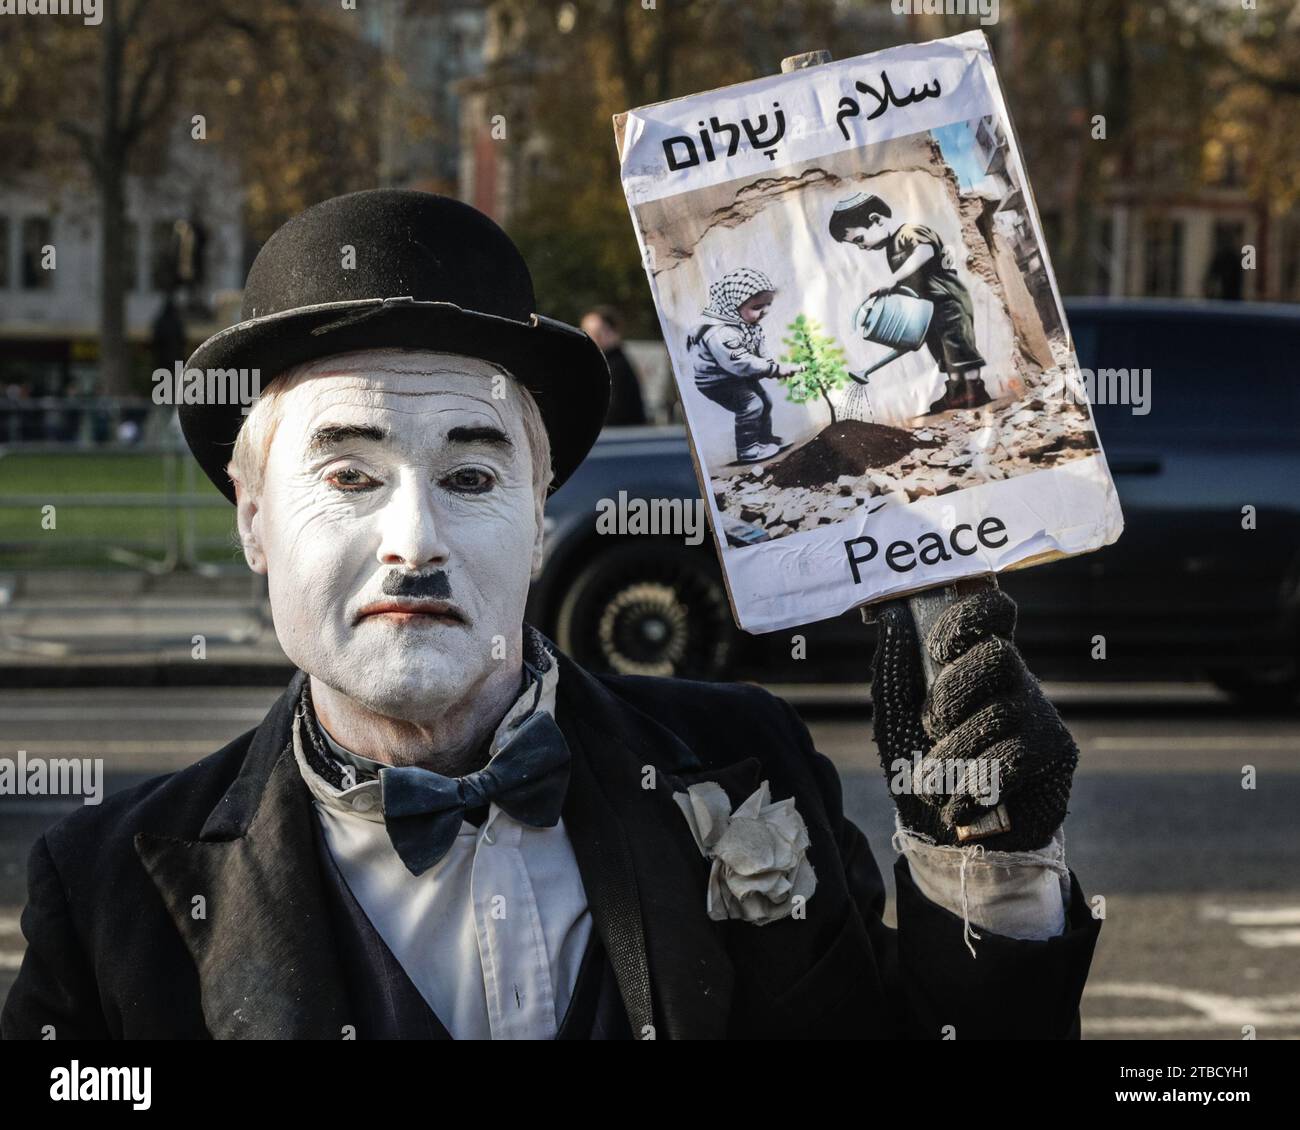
1200,876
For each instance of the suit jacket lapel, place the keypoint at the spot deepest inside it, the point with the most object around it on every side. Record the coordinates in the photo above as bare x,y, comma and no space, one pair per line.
646,880
266,957
605,863
260,938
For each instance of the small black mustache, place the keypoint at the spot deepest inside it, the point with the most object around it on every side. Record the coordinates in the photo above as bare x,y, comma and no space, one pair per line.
418,586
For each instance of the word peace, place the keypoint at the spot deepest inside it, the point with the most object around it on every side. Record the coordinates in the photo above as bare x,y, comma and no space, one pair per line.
930,548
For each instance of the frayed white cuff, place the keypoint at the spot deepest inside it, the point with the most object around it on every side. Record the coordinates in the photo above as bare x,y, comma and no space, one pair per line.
1018,894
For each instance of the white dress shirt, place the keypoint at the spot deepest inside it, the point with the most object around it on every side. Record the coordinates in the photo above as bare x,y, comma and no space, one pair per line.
493,935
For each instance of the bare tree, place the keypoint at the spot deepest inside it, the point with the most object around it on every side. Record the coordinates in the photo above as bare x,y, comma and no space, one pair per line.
281,80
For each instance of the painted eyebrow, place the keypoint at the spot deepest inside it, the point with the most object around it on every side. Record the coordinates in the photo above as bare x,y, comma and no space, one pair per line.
330,436
479,433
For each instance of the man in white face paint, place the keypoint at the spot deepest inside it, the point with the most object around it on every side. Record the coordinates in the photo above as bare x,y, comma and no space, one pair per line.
398,521
445,827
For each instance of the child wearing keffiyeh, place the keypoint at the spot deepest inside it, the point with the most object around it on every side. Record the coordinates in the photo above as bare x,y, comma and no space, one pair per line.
728,352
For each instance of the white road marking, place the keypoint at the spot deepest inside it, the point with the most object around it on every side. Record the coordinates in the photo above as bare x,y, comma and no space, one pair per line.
1154,1025
1206,1010
1263,916
1270,939
1264,927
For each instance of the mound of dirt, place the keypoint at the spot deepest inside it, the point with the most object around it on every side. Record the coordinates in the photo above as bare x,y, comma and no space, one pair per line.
847,448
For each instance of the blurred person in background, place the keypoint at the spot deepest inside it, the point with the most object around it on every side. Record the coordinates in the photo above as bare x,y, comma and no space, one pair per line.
167,338
604,325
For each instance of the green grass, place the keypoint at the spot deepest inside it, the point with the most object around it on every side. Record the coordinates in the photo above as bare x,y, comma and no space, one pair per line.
84,535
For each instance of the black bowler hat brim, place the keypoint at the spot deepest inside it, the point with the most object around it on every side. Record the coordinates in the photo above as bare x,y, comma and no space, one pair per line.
560,365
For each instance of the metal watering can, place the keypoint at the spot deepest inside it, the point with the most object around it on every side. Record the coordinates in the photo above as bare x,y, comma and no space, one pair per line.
899,319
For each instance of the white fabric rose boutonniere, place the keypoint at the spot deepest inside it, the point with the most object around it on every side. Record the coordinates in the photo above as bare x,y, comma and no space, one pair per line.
759,852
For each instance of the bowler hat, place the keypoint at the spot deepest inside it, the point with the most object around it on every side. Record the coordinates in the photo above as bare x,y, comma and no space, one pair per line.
391,268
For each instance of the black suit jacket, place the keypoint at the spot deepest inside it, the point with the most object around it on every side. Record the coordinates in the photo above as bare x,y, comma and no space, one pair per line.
194,904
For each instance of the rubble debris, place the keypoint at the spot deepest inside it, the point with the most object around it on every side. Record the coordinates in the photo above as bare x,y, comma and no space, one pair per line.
1063,441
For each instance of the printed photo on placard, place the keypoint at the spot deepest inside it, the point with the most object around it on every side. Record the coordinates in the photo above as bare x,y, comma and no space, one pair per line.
864,332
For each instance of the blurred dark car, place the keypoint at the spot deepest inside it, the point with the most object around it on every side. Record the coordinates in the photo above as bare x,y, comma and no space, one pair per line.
1197,586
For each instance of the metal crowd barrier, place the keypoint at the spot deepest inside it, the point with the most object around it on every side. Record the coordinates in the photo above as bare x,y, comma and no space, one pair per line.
99,427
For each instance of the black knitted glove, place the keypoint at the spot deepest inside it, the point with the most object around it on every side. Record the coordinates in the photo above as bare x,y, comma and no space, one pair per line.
984,705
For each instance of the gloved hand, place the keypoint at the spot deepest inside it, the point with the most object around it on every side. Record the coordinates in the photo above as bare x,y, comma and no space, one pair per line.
985,704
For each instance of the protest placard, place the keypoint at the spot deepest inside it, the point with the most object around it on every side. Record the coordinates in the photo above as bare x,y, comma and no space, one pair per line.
865,330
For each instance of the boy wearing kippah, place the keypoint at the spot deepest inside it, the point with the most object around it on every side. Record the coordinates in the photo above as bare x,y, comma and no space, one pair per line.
916,260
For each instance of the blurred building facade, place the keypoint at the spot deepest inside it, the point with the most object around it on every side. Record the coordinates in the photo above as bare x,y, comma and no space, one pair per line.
432,53
1158,229
500,147
184,236
1174,214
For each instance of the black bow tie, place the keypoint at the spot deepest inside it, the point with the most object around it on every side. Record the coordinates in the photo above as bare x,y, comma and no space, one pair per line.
527,779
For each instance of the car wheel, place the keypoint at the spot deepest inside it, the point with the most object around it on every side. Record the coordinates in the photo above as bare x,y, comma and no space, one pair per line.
648,610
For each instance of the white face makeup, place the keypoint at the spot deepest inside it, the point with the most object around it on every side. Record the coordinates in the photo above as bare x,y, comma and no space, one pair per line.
398,525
